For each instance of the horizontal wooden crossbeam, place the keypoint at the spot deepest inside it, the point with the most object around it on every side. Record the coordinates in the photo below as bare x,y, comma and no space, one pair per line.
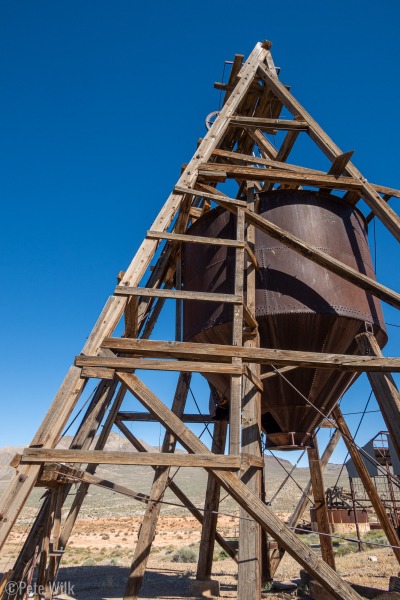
281,176
268,124
148,417
197,351
157,365
193,239
216,461
121,290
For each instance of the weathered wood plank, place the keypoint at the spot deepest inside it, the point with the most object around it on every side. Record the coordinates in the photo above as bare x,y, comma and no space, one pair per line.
43,455
148,417
198,351
158,365
264,123
177,294
211,506
193,239
240,172
318,489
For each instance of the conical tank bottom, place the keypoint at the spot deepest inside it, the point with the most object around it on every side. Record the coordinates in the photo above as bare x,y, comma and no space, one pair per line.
299,305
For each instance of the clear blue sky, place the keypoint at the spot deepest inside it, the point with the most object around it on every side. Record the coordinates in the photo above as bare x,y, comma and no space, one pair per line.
101,104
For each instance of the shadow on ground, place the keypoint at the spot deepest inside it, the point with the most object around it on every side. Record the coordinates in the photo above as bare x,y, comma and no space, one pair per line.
107,582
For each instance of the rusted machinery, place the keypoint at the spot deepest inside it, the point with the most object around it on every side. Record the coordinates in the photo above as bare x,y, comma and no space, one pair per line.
299,305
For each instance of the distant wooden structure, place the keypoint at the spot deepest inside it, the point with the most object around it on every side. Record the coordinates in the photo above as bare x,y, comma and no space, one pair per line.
254,99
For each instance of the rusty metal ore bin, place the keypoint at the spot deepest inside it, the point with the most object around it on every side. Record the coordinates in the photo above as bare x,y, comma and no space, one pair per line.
299,304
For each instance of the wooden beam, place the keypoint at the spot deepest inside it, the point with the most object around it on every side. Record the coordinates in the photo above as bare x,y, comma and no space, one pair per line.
44,455
324,142
148,527
193,239
141,417
197,351
250,555
211,506
384,387
240,172
367,482
177,294
245,498
267,162
264,123
318,488
301,506
235,404
54,472
158,365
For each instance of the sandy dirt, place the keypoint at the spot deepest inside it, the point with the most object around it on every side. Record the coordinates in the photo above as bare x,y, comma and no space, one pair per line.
96,563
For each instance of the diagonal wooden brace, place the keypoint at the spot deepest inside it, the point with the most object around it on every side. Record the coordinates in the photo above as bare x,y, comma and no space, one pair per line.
339,589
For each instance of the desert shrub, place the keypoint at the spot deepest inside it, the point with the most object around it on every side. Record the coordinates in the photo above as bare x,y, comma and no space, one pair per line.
376,536
89,562
347,549
220,555
185,555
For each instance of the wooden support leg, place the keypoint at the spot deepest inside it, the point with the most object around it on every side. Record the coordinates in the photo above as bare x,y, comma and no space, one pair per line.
235,405
208,532
321,510
277,555
149,524
44,553
83,488
367,482
385,389
249,571
264,515
82,440
52,568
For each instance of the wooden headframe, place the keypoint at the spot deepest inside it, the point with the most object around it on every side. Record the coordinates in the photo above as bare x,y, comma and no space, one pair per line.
254,100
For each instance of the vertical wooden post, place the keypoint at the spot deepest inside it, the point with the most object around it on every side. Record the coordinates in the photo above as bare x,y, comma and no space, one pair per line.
249,568
52,568
44,553
211,505
237,335
277,555
367,483
179,303
353,500
149,524
385,389
321,511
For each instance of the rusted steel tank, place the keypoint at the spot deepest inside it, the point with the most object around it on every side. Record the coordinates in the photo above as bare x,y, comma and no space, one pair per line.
299,305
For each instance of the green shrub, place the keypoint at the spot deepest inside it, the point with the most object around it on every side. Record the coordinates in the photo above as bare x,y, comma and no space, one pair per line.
89,562
185,555
347,549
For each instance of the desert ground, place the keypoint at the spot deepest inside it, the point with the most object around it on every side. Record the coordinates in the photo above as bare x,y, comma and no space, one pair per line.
96,562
